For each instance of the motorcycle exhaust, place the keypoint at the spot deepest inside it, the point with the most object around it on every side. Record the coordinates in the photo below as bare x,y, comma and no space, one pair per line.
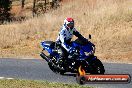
45,57
49,61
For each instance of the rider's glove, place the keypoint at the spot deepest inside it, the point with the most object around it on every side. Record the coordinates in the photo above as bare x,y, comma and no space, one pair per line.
84,40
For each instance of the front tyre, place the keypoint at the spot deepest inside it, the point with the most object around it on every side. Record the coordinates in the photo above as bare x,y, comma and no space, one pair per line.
97,67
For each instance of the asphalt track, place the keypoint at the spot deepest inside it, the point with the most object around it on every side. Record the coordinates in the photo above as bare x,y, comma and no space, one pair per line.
36,69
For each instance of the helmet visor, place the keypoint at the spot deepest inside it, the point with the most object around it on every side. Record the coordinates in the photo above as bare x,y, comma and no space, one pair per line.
70,24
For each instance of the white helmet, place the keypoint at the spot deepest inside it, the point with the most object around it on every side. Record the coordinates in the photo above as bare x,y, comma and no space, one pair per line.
69,22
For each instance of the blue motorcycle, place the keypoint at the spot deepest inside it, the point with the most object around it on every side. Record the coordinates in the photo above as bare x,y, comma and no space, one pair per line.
83,56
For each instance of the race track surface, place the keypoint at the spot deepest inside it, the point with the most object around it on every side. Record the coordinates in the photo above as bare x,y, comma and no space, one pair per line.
36,69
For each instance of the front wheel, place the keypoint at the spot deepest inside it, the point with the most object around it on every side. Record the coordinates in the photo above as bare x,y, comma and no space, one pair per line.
97,67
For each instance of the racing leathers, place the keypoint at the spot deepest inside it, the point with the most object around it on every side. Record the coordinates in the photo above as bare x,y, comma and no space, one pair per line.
64,38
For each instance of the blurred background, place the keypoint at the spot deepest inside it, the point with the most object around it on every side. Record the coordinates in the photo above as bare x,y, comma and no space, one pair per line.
25,23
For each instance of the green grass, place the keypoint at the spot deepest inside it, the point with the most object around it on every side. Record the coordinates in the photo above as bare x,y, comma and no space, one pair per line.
16,83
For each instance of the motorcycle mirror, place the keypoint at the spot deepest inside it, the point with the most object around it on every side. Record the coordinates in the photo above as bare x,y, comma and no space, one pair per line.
90,36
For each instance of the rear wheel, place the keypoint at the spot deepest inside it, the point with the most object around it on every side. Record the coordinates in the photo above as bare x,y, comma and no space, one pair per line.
61,72
97,67
52,68
56,69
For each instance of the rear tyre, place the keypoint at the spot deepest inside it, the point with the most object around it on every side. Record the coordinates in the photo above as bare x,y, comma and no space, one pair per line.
52,68
56,69
62,72
97,67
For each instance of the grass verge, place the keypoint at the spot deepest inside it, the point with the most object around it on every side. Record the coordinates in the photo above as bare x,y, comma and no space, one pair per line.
16,83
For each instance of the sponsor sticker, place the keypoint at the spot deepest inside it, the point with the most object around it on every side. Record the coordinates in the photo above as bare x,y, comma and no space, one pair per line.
83,78
106,78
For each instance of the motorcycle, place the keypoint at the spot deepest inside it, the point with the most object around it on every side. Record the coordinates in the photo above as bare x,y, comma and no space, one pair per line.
83,56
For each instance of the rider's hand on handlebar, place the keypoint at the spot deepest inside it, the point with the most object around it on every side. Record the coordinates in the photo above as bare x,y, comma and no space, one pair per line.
84,40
